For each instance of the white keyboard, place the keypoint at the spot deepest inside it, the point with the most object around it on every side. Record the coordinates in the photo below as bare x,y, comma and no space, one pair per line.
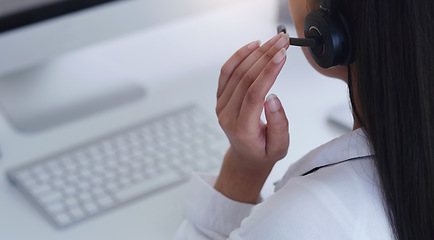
100,175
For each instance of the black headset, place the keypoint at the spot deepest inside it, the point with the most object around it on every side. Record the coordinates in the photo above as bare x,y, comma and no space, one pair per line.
327,34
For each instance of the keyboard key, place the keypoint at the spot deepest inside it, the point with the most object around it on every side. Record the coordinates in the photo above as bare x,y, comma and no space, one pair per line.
105,201
71,202
51,197
143,187
40,189
77,213
90,207
56,208
62,219
85,197
23,175
30,183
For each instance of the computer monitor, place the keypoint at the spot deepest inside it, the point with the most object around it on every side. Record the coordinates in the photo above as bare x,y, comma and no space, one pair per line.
34,32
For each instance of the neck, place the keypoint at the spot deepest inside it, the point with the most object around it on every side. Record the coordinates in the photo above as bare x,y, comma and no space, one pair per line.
355,103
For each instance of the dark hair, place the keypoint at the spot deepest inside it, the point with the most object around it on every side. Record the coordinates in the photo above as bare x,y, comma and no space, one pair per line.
394,87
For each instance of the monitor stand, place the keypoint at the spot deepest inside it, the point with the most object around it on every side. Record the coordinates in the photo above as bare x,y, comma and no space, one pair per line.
52,94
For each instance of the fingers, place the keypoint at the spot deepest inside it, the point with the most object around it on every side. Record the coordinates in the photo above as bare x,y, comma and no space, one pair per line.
252,104
253,72
244,82
277,128
232,64
236,67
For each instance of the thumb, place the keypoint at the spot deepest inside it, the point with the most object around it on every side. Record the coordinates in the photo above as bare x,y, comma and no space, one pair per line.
277,128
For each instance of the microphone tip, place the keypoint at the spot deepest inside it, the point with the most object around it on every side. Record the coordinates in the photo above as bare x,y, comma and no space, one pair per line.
281,28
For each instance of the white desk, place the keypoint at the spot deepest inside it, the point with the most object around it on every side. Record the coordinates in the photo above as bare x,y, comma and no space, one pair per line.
187,52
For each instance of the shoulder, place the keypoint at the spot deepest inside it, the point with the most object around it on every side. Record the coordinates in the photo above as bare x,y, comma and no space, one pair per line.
338,202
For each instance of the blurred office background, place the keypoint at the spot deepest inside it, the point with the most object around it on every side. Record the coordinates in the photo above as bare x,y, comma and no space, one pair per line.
126,62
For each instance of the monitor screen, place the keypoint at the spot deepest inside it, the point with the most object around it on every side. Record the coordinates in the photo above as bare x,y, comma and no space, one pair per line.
37,37
15,14
10,7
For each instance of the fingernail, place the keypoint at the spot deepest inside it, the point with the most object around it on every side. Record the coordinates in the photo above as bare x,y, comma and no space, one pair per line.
273,103
276,37
254,45
279,56
284,39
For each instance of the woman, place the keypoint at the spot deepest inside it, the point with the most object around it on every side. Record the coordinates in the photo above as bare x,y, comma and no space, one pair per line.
376,182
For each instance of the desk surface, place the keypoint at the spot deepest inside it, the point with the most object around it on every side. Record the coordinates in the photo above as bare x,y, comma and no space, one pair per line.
188,52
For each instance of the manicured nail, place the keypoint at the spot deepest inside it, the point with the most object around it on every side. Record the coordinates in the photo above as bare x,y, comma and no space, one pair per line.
284,39
276,37
273,103
280,55
254,45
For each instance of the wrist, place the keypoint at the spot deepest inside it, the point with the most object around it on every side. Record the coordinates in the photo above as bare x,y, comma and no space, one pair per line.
240,182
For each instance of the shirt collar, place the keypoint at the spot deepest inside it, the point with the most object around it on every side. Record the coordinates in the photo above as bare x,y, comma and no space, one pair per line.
349,146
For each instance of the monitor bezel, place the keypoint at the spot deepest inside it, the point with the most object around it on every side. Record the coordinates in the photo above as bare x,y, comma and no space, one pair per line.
45,12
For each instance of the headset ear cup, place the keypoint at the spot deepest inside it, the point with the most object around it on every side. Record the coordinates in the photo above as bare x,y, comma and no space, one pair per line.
348,49
334,32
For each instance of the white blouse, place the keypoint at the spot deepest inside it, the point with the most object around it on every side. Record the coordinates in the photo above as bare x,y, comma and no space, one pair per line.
331,193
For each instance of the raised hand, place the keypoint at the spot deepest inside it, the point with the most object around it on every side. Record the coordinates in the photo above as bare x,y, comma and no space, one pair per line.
244,82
